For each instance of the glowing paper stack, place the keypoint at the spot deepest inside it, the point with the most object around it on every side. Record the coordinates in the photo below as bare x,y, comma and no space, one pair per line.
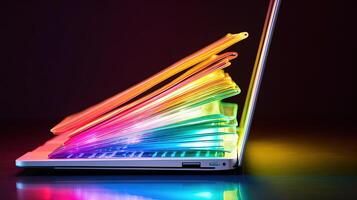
186,114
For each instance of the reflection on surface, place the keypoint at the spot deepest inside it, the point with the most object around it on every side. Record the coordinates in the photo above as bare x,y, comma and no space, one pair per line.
129,187
195,186
291,152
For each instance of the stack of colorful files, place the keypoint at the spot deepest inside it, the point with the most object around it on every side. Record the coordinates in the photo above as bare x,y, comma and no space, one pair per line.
176,111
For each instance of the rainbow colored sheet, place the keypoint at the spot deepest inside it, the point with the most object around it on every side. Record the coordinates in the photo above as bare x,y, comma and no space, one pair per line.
186,114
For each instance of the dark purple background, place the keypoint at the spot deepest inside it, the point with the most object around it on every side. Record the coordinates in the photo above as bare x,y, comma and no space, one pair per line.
61,57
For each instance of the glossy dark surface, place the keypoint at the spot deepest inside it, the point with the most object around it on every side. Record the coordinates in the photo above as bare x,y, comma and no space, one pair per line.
61,57
280,163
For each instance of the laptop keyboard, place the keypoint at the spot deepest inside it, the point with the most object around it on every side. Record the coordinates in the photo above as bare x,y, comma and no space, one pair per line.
147,154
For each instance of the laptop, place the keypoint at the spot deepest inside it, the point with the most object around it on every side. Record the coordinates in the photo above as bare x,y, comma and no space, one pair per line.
156,137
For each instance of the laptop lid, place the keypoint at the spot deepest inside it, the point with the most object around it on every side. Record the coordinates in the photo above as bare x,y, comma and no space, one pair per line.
256,77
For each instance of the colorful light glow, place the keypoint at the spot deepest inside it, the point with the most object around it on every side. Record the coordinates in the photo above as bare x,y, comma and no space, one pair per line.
134,189
185,114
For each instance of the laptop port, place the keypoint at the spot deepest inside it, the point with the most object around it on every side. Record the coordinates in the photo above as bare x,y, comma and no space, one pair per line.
191,164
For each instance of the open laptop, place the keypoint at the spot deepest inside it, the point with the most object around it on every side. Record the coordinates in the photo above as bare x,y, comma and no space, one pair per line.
162,160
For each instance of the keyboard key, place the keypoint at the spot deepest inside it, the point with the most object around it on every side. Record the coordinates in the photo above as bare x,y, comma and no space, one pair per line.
182,154
120,154
130,154
98,155
164,154
221,154
85,155
159,154
190,154
69,156
147,154
173,154
137,154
